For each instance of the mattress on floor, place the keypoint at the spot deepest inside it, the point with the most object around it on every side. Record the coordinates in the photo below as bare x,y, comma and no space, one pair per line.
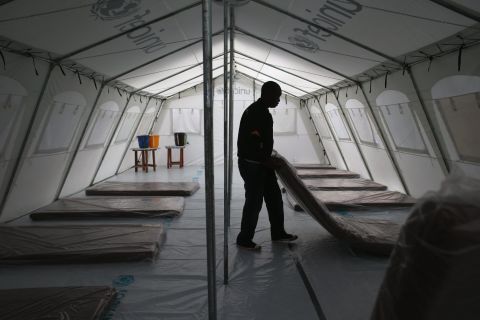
110,207
313,166
72,303
343,184
372,235
325,173
79,243
359,199
434,271
123,188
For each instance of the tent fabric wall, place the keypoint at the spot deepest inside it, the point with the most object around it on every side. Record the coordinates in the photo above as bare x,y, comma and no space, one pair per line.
122,138
19,93
62,112
405,126
449,92
109,105
343,134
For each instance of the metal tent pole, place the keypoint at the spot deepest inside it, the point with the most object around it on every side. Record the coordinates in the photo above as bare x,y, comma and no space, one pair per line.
386,143
230,108
77,147
154,122
316,130
116,36
208,145
114,131
226,203
355,139
131,137
458,8
25,140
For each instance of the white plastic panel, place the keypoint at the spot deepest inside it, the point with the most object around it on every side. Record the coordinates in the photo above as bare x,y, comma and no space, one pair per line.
188,120
63,111
19,91
284,120
121,138
101,128
336,120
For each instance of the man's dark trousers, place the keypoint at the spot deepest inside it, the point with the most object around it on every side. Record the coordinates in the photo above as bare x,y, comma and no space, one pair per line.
260,183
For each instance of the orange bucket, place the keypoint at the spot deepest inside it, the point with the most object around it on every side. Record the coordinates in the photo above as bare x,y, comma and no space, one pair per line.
153,141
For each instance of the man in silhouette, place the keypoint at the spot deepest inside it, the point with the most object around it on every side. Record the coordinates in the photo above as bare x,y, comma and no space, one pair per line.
255,145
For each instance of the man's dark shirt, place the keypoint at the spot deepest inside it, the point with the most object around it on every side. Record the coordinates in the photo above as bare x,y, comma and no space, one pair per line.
255,135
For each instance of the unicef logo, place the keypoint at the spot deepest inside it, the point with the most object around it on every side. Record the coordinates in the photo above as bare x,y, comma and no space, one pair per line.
303,43
115,9
123,281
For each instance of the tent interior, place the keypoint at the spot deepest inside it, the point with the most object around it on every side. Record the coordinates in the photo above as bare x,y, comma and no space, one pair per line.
387,90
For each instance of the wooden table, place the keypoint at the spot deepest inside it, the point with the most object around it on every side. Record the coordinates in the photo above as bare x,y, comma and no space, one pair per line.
169,156
142,161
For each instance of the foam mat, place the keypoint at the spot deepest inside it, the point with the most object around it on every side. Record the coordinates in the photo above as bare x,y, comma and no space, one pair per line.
363,198
313,166
72,303
326,173
121,188
79,243
343,184
368,234
110,207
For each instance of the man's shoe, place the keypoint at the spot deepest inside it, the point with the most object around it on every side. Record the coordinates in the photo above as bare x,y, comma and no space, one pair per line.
249,245
285,238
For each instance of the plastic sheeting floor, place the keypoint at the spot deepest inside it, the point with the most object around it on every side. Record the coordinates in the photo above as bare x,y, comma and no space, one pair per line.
317,277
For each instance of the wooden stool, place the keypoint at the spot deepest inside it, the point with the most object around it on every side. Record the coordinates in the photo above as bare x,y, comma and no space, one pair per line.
143,162
169,156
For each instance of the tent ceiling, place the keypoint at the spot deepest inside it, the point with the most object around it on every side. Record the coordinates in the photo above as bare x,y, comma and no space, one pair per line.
390,27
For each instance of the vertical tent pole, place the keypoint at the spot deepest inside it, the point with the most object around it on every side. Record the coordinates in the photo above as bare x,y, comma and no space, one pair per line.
331,132
386,143
230,108
436,139
132,136
208,145
225,143
25,140
355,139
316,130
77,147
110,140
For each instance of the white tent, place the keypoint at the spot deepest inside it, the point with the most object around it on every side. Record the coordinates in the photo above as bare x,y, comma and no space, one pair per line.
387,89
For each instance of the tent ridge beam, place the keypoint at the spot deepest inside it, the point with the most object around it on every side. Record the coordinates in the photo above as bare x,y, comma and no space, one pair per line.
116,36
295,54
358,44
277,68
458,8
158,58
174,74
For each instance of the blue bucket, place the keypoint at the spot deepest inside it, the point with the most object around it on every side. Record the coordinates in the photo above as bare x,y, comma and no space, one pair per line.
142,141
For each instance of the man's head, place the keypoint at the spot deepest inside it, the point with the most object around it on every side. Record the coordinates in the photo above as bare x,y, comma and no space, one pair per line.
271,93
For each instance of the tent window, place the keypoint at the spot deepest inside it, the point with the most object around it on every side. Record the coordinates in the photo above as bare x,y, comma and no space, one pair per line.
187,120
104,120
403,128
126,127
338,124
284,120
461,115
362,123
144,126
63,119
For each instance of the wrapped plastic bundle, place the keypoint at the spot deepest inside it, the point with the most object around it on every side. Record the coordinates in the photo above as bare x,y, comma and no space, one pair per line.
434,271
